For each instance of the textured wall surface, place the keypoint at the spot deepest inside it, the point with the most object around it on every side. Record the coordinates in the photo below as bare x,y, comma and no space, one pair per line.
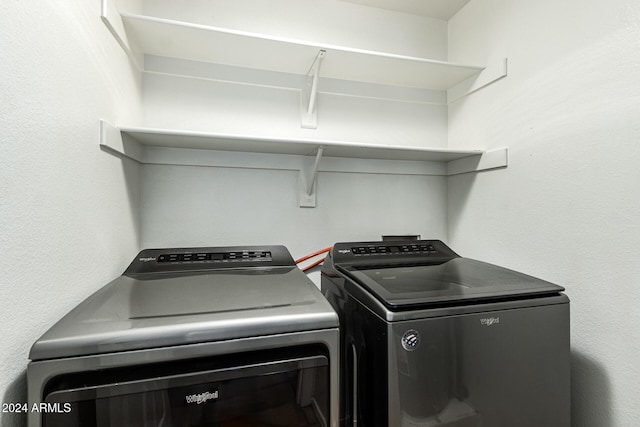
393,117
68,211
229,206
567,208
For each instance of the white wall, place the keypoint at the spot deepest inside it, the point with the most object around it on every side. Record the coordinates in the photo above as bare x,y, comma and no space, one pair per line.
567,208
229,206
210,206
202,97
68,211
205,97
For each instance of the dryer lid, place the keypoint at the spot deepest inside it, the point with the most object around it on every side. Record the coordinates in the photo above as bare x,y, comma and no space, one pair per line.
203,295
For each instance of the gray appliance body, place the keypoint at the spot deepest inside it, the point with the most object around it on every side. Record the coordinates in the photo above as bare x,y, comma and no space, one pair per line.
433,339
192,336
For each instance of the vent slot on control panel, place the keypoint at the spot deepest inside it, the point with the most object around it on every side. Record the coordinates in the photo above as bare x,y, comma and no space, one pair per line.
216,256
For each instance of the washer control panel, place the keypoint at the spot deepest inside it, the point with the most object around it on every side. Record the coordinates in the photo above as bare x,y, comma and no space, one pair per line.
391,251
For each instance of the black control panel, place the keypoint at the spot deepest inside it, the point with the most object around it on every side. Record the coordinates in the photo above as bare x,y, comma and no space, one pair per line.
209,258
393,249
391,252
245,255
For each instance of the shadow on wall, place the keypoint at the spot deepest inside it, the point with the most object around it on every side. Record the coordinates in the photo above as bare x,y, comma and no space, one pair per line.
590,393
458,190
15,393
132,178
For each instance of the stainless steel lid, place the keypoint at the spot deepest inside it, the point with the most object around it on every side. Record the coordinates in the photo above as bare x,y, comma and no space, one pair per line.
167,301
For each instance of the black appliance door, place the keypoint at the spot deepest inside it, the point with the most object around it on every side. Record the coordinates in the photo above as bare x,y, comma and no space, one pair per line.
283,393
503,368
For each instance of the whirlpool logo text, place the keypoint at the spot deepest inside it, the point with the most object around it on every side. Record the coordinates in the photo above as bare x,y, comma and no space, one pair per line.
489,321
202,397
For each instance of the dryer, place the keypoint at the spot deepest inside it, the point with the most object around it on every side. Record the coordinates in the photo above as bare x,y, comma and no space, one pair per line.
430,338
220,336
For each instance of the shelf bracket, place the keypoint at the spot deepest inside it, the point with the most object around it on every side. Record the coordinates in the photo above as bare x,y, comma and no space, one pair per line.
112,140
308,95
113,20
307,183
491,74
489,160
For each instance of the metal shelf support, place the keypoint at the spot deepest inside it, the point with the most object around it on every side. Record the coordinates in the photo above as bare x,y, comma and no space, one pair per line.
307,183
308,95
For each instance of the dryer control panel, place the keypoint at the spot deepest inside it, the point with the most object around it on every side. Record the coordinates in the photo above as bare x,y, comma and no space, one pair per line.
208,258
241,255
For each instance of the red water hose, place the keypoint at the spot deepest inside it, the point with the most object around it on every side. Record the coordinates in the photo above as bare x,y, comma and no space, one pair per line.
315,263
306,257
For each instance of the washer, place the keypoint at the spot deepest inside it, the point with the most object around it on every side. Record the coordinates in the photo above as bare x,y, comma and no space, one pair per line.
220,336
433,339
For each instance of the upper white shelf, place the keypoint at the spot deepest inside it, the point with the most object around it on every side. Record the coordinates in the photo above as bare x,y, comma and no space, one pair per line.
165,37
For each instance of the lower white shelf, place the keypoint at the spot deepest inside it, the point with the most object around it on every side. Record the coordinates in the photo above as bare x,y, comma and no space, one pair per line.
131,142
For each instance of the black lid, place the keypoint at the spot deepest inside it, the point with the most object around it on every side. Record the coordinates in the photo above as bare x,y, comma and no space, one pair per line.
434,277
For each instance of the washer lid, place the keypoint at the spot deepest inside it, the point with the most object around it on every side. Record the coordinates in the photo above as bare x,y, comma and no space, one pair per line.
456,281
